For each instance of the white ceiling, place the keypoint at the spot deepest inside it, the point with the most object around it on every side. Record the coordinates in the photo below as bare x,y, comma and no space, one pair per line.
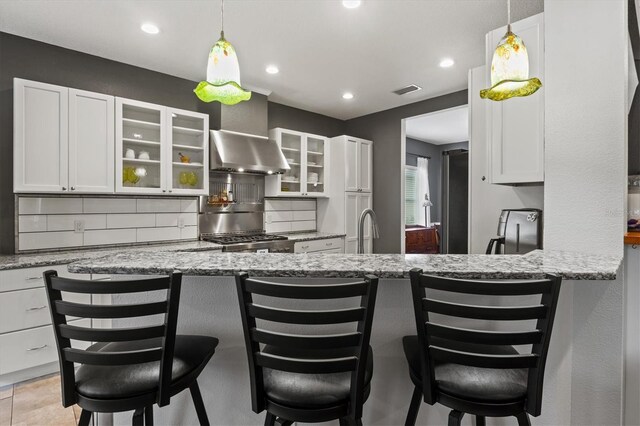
321,48
440,128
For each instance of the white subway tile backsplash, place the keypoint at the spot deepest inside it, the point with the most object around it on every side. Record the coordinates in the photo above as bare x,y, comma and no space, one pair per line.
156,205
66,222
32,223
46,205
189,232
49,222
47,240
271,205
303,205
131,220
109,205
189,219
309,225
290,215
167,219
189,206
157,234
304,215
109,236
278,216
275,227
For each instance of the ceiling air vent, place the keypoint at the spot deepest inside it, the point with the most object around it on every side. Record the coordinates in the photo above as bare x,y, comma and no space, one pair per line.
408,89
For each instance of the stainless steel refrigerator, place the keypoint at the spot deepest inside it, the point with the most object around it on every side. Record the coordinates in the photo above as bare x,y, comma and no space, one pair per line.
455,202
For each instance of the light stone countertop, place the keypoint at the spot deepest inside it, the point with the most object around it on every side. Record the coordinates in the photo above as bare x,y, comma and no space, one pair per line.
18,261
574,266
311,236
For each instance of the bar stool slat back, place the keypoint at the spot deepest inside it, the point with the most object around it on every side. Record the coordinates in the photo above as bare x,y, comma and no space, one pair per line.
478,371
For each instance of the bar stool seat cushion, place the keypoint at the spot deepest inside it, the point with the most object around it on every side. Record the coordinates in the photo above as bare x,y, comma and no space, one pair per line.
312,390
471,383
121,381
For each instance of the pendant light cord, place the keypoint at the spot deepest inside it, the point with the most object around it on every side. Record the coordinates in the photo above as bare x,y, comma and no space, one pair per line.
508,15
222,17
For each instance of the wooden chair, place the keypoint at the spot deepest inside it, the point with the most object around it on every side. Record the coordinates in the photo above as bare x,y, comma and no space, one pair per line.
473,371
308,378
128,368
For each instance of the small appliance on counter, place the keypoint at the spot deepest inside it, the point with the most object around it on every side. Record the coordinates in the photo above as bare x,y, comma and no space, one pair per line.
519,232
233,215
633,204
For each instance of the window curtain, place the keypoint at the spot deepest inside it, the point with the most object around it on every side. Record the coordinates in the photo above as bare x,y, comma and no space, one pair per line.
424,212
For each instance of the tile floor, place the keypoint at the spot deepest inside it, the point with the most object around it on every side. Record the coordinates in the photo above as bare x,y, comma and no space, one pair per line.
36,403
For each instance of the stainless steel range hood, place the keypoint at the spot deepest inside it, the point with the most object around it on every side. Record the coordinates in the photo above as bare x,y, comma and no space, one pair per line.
241,151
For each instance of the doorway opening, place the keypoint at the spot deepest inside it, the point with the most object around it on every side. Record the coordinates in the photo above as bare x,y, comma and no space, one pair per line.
435,182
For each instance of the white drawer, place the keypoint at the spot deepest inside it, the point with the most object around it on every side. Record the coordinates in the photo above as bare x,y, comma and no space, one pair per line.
319,245
20,279
30,308
30,348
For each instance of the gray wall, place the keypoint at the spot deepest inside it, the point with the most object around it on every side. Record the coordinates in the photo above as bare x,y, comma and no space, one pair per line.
304,121
416,148
384,129
34,60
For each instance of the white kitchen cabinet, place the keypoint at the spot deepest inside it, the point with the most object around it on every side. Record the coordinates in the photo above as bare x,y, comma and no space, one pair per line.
329,245
355,203
63,139
91,142
350,191
27,344
141,140
308,157
358,154
188,134
40,140
516,126
149,141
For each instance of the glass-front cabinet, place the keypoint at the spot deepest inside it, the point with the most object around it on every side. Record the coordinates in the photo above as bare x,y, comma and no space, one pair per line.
188,138
140,141
307,156
160,149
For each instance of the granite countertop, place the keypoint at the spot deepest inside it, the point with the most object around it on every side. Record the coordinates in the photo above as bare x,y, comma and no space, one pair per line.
574,266
310,236
17,261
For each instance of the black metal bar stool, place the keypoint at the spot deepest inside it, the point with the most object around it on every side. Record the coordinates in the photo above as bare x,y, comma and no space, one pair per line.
128,368
304,377
473,371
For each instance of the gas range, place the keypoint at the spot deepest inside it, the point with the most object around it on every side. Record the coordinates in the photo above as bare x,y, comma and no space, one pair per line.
251,243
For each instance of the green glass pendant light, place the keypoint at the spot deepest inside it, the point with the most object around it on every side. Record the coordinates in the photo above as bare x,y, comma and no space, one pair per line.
223,74
510,68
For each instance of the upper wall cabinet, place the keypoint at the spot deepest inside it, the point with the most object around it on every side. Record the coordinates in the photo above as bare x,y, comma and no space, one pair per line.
63,139
358,164
160,150
516,126
308,157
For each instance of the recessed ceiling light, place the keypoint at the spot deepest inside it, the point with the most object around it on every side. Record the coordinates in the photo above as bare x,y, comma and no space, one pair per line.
150,28
347,95
272,69
269,172
351,4
446,63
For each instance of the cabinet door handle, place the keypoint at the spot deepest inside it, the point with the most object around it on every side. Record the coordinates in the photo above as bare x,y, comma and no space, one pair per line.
37,348
73,188
64,188
329,244
35,308
305,247
32,278
164,190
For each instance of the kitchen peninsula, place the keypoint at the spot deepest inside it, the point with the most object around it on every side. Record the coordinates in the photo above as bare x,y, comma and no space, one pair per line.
209,306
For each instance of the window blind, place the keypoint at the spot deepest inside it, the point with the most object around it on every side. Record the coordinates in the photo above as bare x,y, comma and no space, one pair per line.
410,195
